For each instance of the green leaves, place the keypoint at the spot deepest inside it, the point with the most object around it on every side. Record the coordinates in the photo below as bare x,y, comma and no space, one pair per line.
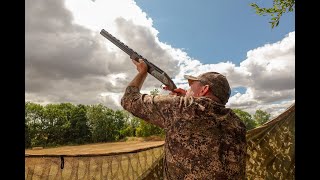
154,92
246,118
65,123
276,11
260,117
146,129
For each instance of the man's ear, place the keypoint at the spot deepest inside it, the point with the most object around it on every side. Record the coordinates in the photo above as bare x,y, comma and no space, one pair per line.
204,90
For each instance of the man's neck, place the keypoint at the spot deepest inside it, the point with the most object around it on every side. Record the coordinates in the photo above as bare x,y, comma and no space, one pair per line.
213,97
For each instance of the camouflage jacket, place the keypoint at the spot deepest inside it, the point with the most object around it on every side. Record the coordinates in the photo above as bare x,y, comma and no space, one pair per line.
204,139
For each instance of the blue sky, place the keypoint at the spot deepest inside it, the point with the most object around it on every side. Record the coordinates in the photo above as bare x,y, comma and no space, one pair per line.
215,30
67,60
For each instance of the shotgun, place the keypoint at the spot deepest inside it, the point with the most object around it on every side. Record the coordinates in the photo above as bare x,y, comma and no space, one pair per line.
152,69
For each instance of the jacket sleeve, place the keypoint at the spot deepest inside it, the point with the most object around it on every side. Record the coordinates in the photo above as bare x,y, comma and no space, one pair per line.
156,109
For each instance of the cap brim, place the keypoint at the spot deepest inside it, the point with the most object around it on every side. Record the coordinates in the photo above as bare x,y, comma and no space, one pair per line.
189,77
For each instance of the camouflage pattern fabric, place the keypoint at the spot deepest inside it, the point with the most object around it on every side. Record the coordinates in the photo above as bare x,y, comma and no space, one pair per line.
204,139
271,148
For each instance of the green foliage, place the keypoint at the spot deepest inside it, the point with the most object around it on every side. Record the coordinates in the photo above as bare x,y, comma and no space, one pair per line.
146,129
34,119
27,139
65,124
57,123
105,124
246,118
79,132
154,92
261,117
279,8
131,124
128,131
33,113
98,122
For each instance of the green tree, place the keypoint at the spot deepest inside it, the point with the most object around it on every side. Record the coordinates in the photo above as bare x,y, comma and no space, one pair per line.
276,11
57,123
130,127
146,129
119,122
97,122
261,117
79,131
246,118
27,139
34,118
105,124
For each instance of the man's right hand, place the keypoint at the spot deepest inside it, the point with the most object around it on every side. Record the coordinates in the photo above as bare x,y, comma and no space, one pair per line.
178,91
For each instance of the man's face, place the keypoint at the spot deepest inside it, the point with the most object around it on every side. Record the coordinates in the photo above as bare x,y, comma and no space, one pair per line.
195,88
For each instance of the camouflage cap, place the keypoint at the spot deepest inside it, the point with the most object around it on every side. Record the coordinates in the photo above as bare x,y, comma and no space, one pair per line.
217,82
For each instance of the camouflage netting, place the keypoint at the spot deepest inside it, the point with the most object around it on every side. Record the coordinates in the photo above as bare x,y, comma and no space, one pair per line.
125,165
271,155
271,148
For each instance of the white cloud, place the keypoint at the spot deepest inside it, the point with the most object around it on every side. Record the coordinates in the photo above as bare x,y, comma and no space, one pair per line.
116,78
271,77
115,98
268,74
101,14
272,66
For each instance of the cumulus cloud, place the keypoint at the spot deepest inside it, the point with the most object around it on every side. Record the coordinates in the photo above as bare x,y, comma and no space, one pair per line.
67,60
271,76
64,62
268,74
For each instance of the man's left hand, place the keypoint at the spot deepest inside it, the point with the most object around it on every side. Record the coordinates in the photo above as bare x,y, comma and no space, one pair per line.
141,66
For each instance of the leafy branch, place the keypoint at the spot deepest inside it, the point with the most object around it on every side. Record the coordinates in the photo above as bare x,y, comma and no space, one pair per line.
279,8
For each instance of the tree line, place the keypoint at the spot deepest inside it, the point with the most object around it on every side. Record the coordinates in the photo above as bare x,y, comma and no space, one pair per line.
68,124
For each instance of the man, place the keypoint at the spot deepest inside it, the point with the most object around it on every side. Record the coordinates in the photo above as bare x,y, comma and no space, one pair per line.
204,139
